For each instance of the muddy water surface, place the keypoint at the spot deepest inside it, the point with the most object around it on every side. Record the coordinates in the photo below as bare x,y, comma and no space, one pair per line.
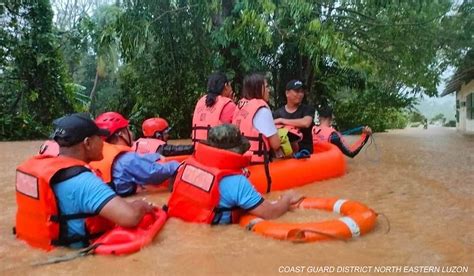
420,180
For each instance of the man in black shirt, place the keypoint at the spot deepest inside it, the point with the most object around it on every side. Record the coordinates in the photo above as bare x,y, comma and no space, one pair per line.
297,114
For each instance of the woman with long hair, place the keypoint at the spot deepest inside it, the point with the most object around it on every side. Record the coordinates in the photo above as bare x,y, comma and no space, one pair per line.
254,118
214,108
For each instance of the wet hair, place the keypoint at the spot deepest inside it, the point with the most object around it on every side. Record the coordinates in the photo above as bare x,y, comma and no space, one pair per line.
253,86
325,112
215,84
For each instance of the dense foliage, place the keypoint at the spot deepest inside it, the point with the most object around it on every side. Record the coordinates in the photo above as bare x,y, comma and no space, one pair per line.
368,59
34,87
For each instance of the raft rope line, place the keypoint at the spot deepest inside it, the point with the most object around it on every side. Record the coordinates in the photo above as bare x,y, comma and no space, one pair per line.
376,148
68,257
371,141
388,222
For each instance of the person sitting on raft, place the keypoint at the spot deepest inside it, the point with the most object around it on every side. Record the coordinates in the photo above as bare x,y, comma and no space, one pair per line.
155,138
297,114
62,193
123,168
326,133
254,119
215,108
211,186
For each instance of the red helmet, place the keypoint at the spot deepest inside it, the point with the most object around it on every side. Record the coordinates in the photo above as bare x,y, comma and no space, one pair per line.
153,125
112,121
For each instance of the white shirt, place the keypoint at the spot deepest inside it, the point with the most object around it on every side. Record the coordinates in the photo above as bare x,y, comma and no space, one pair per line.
263,122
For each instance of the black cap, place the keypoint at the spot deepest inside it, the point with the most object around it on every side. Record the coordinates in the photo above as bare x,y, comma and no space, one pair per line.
74,128
294,84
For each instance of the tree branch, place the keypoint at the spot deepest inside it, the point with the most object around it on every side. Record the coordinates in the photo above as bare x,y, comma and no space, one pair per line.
170,11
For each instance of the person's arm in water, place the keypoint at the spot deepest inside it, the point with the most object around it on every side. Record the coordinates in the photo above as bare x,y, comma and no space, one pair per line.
124,213
173,150
89,194
354,149
272,210
237,191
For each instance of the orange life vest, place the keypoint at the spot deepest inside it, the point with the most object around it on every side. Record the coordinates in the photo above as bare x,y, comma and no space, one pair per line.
104,166
147,145
49,147
322,133
206,117
243,119
38,219
195,195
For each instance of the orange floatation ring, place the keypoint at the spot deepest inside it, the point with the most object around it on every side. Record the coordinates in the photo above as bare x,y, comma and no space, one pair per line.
358,220
122,240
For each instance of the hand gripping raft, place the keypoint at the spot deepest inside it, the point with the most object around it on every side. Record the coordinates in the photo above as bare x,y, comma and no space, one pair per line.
122,240
119,240
358,220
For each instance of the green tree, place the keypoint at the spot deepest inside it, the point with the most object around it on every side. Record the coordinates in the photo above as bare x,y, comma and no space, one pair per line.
438,118
34,91
167,48
368,59
105,41
417,117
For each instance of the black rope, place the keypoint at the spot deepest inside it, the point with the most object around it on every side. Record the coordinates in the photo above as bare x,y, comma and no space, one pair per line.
388,222
68,257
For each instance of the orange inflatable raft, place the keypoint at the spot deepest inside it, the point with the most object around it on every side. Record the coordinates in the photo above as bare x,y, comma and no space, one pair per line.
121,240
358,220
327,161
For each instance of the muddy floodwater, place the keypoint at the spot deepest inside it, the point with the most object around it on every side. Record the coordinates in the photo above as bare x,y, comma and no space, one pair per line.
421,182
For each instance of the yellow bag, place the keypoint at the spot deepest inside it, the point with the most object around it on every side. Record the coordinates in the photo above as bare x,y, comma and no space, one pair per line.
285,142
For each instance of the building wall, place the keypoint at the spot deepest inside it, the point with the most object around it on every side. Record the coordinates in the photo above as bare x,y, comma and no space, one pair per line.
465,125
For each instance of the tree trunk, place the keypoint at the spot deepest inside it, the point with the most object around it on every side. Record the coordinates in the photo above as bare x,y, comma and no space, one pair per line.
93,92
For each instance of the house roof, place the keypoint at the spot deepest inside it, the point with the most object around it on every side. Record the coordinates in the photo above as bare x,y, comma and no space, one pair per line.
463,74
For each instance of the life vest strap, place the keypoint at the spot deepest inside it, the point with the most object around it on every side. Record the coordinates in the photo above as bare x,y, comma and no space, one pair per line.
262,150
65,174
194,130
261,145
218,212
64,218
65,241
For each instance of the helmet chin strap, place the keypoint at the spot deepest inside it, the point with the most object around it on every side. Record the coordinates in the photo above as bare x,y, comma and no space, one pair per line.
159,135
128,141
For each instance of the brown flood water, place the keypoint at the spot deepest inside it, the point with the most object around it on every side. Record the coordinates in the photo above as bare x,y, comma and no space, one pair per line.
422,183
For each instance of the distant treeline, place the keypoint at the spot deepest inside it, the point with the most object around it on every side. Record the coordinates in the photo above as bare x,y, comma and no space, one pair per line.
152,57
